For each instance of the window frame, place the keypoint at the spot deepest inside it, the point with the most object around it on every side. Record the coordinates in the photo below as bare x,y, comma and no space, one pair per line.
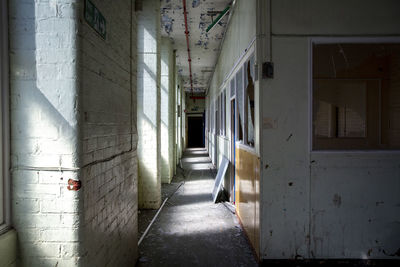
207,118
223,94
216,112
5,121
219,114
335,40
236,76
245,98
243,68
222,113
231,93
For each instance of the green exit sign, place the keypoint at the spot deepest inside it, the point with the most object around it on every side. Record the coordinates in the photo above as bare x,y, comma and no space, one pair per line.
95,19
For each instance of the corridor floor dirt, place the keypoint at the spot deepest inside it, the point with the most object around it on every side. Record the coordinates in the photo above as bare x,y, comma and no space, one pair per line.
191,230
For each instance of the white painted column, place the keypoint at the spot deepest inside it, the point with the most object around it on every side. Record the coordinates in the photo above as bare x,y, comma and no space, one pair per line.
44,131
148,105
173,104
166,110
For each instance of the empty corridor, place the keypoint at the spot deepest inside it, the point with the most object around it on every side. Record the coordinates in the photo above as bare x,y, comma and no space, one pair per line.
191,230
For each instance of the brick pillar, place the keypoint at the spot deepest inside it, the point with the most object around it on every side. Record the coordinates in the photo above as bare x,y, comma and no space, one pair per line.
44,121
148,104
167,114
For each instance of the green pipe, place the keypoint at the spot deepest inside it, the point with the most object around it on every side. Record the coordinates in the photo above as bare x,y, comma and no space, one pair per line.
220,16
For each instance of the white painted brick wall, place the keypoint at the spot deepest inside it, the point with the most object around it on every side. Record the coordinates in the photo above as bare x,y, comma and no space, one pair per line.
148,104
108,85
180,119
178,140
167,110
43,130
110,218
183,119
96,226
172,103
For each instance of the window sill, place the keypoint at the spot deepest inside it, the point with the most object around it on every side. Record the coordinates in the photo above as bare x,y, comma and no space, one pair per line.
247,148
4,229
8,247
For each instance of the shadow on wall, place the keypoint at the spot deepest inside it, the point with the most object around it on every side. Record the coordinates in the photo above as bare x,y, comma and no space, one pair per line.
147,97
165,127
43,137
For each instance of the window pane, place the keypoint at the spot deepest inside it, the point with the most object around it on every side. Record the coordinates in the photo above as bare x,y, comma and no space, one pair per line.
249,74
239,99
216,117
356,96
208,119
224,108
221,113
233,87
341,108
212,117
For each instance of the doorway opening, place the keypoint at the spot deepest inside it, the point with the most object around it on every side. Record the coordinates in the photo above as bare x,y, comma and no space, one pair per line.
195,132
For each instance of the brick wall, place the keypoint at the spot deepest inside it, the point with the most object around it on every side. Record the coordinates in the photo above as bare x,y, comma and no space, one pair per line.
167,114
171,111
44,129
148,104
179,121
72,117
107,69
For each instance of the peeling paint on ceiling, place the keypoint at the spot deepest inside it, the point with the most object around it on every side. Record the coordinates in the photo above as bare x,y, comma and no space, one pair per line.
204,47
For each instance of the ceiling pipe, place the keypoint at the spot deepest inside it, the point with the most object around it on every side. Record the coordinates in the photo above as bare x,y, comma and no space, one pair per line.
188,48
218,19
232,8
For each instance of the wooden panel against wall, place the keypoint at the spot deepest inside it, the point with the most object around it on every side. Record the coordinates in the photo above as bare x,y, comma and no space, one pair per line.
248,193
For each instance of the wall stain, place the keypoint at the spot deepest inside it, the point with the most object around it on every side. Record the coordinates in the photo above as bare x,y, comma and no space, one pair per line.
202,26
195,3
167,23
337,200
198,43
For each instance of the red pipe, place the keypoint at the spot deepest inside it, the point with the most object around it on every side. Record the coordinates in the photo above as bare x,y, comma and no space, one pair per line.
187,43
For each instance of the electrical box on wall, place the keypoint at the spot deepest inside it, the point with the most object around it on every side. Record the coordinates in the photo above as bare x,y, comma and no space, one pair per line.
268,70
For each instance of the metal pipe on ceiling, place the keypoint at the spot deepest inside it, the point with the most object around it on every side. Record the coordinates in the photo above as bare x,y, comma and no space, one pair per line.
218,19
231,7
188,47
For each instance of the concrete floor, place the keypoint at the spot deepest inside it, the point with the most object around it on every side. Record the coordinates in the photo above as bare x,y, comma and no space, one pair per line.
191,230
